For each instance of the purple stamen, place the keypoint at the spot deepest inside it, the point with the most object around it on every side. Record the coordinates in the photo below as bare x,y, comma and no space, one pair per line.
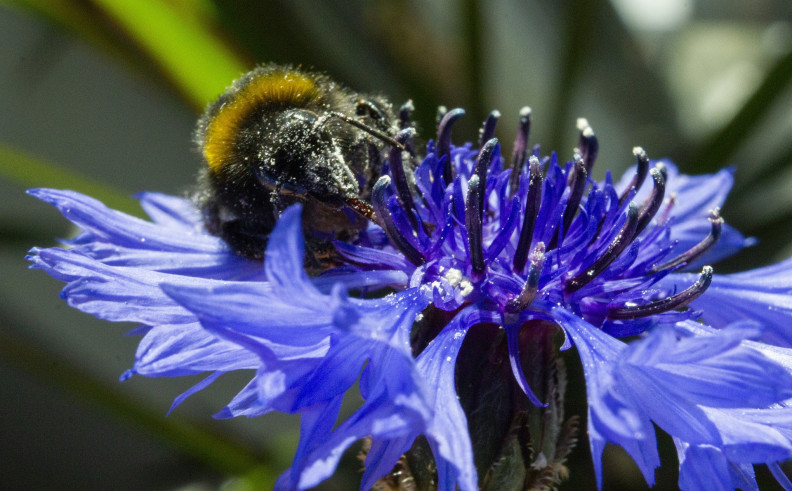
483,161
641,170
616,247
473,224
515,360
405,113
379,200
474,206
405,121
531,286
681,299
578,186
532,202
653,202
487,130
697,250
520,146
663,170
444,141
587,144
403,192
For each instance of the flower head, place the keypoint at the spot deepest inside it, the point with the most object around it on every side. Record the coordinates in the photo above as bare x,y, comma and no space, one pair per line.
452,311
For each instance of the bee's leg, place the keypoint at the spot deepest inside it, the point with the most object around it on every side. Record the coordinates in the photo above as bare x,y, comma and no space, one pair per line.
361,208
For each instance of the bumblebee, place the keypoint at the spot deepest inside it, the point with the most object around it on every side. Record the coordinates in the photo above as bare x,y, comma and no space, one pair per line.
279,136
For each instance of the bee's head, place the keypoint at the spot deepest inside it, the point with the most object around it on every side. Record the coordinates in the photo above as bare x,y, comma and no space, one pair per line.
307,158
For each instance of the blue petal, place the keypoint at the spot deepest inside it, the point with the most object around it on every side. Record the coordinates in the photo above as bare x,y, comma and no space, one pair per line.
293,335
188,349
171,211
687,373
611,419
117,239
245,403
763,295
286,252
113,293
195,388
743,477
335,374
312,347
122,229
448,435
447,426
782,478
713,371
396,410
382,457
303,320
703,467
598,352
753,435
384,259
696,195
115,268
354,279
513,343
315,424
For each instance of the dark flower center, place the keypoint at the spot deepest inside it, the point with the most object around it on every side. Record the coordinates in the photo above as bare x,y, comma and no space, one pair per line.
507,238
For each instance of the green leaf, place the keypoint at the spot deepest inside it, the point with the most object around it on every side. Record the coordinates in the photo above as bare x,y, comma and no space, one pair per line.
198,62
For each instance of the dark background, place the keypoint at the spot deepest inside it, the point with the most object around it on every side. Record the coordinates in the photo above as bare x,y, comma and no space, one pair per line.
706,83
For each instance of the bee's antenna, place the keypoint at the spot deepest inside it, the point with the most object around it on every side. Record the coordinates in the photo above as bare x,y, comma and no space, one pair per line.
371,131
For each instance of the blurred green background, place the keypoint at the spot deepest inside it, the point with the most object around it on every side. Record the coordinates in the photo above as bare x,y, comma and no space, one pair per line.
101,96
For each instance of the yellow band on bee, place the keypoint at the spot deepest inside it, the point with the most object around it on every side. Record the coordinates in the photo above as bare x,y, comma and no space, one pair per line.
275,89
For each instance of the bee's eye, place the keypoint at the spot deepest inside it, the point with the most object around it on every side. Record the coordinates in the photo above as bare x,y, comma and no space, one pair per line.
367,108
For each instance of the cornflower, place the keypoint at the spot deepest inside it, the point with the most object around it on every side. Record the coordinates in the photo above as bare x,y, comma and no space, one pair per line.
452,313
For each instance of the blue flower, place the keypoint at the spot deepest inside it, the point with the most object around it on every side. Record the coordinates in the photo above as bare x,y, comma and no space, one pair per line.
115,267
470,259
